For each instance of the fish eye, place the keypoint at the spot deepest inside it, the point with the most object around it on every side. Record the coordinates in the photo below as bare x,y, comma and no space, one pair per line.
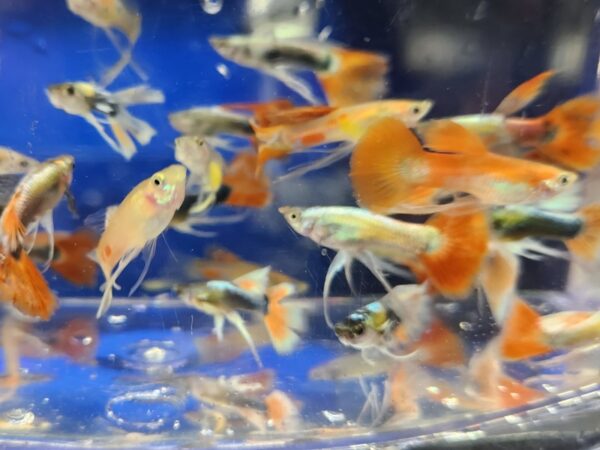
416,110
358,329
24,163
563,180
293,216
156,181
70,90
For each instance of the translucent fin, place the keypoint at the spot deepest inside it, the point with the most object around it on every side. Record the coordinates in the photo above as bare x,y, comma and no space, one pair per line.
138,95
218,327
336,155
236,320
47,222
111,284
341,259
93,121
99,220
281,320
534,250
148,254
124,60
140,130
255,282
295,83
524,94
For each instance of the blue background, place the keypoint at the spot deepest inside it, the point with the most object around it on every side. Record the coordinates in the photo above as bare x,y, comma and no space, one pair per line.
466,55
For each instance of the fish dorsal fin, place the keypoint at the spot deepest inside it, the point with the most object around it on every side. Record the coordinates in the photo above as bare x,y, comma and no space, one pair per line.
255,282
524,94
291,116
447,136
218,254
260,107
99,220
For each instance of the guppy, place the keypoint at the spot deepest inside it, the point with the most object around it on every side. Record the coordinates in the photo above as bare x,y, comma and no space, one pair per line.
579,231
448,250
33,201
348,76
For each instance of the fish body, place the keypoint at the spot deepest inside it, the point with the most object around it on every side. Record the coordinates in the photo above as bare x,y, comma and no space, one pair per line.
348,76
36,195
211,121
518,222
391,171
367,326
580,231
224,300
448,249
206,166
136,223
281,133
89,102
222,297
355,229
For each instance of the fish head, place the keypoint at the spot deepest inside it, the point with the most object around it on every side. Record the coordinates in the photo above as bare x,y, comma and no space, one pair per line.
70,97
234,48
296,219
559,183
65,164
12,161
418,110
355,331
194,152
166,188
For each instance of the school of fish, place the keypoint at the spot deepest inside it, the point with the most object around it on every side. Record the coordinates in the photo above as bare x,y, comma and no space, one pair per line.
478,195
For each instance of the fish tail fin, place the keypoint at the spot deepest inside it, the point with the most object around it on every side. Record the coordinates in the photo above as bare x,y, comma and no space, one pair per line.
494,387
357,77
73,263
125,145
13,230
587,244
131,29
522,335
499,277
573,134
385,167
524,94
455,263
440,346
282,411
267,153
281,320
246,188
125,125
31,294
255,282
138,95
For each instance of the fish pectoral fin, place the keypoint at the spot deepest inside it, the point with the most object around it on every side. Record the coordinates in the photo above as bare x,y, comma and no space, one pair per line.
148,254
99,220
219,321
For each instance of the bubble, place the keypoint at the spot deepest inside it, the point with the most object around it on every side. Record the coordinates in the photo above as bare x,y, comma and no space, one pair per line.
466,326
153,356
223,70
324,252
211,6
147,409
116,319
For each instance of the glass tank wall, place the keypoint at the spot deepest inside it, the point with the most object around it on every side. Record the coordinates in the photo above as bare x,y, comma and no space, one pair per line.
306,224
